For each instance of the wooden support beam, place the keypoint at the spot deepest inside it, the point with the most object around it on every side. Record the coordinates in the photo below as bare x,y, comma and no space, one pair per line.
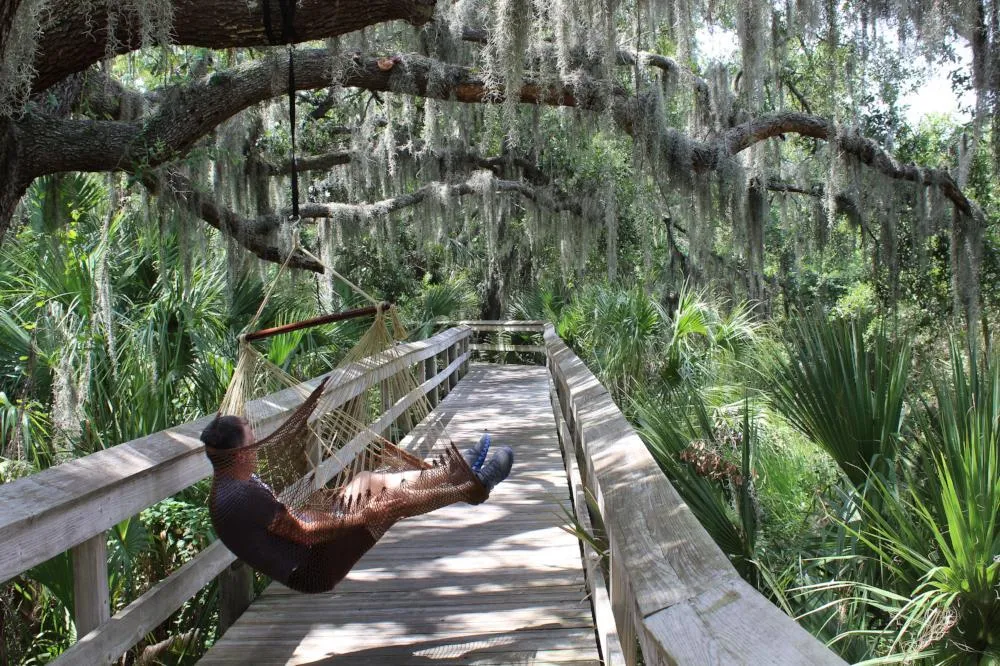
91,597
496,326
604,618
453,377
109,641
235,593
524,349
430,370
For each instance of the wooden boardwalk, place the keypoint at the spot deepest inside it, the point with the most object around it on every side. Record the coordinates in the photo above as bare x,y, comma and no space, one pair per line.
499,583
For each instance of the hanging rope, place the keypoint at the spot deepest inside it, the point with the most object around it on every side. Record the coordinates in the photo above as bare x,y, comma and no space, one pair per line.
358,290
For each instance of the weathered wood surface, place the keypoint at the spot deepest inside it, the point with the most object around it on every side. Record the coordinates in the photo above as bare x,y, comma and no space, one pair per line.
670,583
607,632
91,596
498,583
107,642
485,347
52,511
513,326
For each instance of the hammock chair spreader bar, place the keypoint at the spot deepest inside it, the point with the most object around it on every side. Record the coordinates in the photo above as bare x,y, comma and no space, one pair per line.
316,321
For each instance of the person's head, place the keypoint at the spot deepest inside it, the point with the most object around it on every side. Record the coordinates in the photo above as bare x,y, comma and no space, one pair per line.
227,433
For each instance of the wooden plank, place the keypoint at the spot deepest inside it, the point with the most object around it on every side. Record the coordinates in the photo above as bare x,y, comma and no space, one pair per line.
607,631
91,597
426,649
430,369
481,347
81,499
49,512
344,455
126,627
235,593
453,375
512,325
729,624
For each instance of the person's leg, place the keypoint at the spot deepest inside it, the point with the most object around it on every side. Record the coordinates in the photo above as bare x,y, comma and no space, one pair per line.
489,472
374,483
365,517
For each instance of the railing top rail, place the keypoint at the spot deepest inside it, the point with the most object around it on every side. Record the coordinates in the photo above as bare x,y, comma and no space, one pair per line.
49,512
511,325
691,604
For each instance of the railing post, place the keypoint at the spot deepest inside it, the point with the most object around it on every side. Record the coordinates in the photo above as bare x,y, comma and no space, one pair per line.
235,593
452,355
387,399
442,363
430,370
91,597
420,372
465,350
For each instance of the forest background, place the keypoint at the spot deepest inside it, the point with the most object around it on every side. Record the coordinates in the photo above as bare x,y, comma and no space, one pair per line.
786,280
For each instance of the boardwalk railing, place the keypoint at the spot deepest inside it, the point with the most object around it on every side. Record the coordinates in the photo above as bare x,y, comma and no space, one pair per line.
672,590
71,506
503,328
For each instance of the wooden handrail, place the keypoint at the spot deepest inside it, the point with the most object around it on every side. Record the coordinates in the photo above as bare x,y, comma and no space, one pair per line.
73,504
496,326
672,588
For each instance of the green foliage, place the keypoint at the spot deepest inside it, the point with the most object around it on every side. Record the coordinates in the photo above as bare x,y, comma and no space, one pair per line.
632,340
452,299
936,536
845,394
694,451
618,330
156,332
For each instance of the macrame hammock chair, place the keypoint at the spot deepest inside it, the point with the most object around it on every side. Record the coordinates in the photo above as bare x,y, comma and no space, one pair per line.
315,452
316,471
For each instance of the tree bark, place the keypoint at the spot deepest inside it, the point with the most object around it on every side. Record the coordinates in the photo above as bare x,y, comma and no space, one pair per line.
256,235
8,8
76,36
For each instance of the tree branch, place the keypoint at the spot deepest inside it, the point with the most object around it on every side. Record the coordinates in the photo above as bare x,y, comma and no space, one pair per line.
476,184
258,236
496,164
187,113
868,152
845,204
76,34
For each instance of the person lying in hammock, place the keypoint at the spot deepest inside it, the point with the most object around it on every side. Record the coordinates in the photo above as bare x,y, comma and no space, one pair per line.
312,549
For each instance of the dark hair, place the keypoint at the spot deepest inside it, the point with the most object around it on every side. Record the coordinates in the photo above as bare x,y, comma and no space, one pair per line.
225,432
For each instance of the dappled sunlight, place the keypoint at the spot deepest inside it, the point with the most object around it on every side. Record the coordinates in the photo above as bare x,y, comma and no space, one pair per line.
500,582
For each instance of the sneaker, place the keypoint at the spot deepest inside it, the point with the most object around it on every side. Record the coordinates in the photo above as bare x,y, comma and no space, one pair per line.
497,468
476,456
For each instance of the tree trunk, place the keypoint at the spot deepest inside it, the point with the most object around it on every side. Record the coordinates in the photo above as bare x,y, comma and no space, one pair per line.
13,184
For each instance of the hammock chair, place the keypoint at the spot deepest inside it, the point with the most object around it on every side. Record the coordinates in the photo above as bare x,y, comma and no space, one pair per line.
303,500
303,485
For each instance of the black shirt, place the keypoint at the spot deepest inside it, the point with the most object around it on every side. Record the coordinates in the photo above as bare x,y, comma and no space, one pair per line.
242,510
